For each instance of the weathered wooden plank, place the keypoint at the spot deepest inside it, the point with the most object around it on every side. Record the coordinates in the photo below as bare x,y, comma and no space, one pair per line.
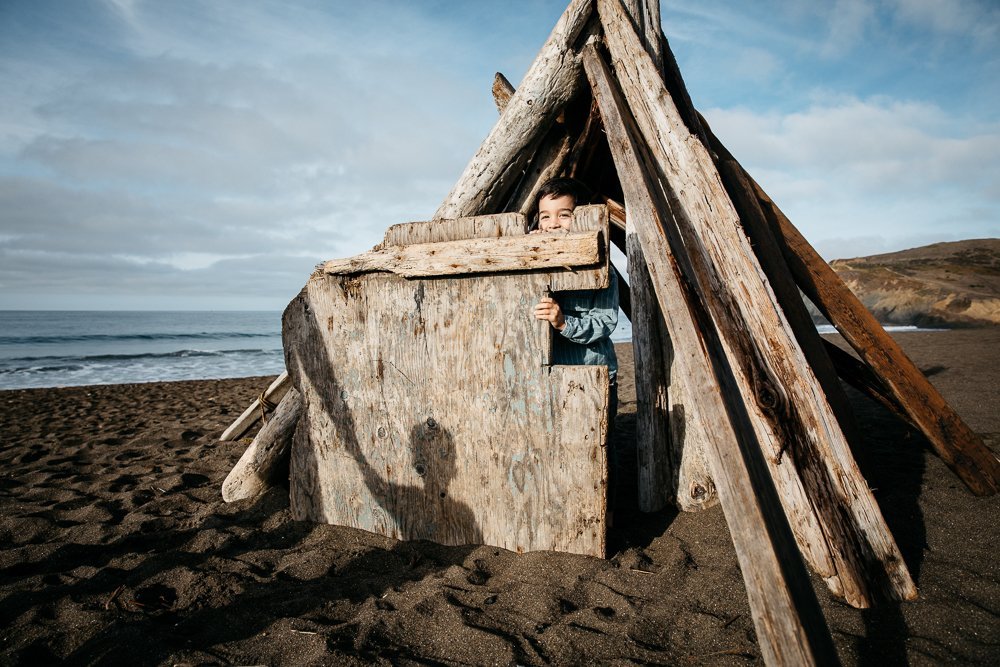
790,627
273,394
617,236
490,255
258,468
957,445
651,352
680,447
669,440
553,80
430,413
825,496
591,218
435,231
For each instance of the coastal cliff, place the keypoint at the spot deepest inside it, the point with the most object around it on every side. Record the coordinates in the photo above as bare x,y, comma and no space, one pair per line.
954,284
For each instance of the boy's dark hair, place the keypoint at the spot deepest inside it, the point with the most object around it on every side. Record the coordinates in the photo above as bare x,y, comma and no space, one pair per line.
560,187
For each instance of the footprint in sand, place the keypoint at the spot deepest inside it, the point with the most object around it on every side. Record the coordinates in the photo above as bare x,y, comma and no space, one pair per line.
191,479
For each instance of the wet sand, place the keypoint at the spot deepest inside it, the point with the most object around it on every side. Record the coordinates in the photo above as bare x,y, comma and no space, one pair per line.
116,548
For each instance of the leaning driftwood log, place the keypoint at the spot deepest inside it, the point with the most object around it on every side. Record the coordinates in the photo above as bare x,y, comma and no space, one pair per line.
837,522
828,503
957,445
258,468
790,626
273,394
552,80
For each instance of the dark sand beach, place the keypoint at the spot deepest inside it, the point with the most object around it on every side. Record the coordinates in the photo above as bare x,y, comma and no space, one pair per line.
116,548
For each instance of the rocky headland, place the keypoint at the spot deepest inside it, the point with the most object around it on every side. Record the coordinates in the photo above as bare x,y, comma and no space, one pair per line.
953,284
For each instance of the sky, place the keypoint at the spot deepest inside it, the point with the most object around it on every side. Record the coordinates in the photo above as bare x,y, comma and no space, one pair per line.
207,154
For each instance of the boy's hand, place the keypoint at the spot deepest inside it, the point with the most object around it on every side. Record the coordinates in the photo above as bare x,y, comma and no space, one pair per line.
547,309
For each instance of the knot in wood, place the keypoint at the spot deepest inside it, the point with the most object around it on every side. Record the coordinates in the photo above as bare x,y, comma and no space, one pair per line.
767,398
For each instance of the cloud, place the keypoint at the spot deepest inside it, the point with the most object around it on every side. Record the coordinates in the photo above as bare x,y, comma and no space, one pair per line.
979,21
878,144
289,131
849,21
844,168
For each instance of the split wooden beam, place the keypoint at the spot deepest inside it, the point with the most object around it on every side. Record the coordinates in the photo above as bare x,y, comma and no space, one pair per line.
838,525
273,395
790,626
491,255
553,80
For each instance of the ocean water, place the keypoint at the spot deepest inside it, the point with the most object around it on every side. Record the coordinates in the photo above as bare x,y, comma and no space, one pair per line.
71,348
66,348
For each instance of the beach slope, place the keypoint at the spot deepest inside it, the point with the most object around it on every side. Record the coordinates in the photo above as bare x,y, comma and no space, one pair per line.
116,548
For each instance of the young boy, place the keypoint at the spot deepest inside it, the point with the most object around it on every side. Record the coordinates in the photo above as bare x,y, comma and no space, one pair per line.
584,319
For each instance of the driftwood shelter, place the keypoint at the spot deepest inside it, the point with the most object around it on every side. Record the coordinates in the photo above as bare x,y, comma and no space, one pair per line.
420,401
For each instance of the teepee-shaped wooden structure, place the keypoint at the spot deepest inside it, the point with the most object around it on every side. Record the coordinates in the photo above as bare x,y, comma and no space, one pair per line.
739,400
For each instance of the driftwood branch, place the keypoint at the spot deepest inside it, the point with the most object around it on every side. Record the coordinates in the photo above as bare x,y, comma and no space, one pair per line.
267,455
503,90
771,260
274,393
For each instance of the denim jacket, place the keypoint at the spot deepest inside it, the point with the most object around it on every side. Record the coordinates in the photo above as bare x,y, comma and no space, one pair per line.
591,316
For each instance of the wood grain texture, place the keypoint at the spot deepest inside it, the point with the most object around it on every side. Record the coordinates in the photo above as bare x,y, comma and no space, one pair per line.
552,80
790,627
957,445
824,495
258,468
430,413
669,439
771,260
479,227
645,15
483,255
274,393
591,218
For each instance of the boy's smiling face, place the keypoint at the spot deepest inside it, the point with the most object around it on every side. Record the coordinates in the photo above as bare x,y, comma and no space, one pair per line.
556,213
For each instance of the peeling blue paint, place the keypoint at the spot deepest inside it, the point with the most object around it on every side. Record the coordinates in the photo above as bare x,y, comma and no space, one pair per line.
508,368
